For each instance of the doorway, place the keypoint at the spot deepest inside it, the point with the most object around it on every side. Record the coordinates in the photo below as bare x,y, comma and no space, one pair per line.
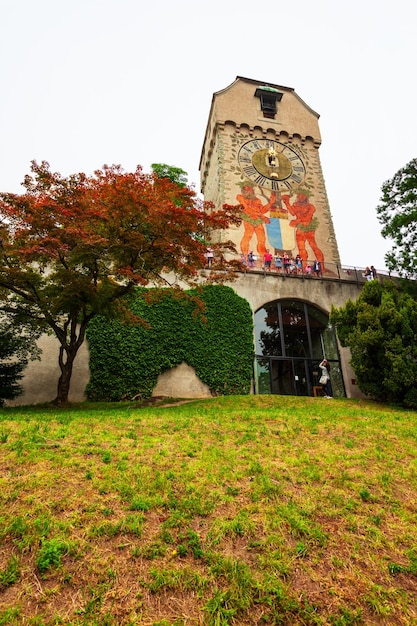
291,338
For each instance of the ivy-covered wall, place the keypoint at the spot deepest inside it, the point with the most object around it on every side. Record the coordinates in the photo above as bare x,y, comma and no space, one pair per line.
126,359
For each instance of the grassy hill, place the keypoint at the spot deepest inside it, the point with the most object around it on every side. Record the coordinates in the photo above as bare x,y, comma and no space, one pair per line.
235,510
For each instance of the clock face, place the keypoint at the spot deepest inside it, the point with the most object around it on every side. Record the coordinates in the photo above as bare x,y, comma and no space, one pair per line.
271,164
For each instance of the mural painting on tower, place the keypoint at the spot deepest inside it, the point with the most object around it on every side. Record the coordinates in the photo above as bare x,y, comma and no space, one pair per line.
275,194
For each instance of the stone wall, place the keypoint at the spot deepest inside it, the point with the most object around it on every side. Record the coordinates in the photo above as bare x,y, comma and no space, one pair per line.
41,377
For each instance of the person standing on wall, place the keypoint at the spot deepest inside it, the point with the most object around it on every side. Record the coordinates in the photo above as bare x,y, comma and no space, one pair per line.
267,260
317,268
325,378
210,256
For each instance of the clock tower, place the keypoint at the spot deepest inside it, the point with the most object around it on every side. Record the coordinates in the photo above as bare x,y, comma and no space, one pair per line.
261,150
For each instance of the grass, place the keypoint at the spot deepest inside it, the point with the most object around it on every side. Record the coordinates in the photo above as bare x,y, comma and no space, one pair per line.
231,511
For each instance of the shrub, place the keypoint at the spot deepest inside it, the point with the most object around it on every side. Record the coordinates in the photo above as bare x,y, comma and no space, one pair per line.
126,360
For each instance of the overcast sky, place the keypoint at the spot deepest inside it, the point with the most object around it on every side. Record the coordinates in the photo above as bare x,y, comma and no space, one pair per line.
92,82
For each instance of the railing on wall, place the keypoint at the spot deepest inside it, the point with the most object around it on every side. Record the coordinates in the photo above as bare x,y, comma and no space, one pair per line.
331,271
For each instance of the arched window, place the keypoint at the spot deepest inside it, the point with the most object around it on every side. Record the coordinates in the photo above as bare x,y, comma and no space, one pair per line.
291,338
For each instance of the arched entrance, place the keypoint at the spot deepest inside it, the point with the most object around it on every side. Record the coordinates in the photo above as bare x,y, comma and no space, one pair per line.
291,339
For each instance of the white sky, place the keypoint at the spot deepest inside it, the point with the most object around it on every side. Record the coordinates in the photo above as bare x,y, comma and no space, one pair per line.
92,82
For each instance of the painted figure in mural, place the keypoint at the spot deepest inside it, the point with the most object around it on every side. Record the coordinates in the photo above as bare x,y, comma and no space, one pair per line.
305,224
254,218
279,234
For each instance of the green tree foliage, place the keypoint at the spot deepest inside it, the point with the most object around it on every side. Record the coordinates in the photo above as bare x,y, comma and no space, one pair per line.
397,212
217,341
175,174
380,328
72,247
16,347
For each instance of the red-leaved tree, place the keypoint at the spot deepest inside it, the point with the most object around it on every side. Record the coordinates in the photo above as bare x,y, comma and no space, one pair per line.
72,247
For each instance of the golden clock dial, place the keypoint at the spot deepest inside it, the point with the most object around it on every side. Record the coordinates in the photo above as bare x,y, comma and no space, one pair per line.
271,164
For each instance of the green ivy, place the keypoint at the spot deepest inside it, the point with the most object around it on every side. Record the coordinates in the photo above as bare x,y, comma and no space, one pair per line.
126,359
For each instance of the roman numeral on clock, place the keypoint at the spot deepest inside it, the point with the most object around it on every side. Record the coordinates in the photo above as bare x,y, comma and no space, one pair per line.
250,170
261,180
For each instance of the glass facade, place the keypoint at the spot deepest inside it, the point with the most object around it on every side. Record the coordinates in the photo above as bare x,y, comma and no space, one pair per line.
291,339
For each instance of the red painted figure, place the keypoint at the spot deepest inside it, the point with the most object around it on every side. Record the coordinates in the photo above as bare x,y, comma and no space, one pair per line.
305,225
254,218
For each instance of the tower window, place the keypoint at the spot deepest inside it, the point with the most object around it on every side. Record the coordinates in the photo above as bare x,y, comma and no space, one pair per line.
268,97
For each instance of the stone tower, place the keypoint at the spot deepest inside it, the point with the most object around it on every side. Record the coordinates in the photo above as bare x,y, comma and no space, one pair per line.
261,150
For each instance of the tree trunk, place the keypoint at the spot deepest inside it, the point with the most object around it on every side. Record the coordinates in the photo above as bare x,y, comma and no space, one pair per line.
67,352
64,381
